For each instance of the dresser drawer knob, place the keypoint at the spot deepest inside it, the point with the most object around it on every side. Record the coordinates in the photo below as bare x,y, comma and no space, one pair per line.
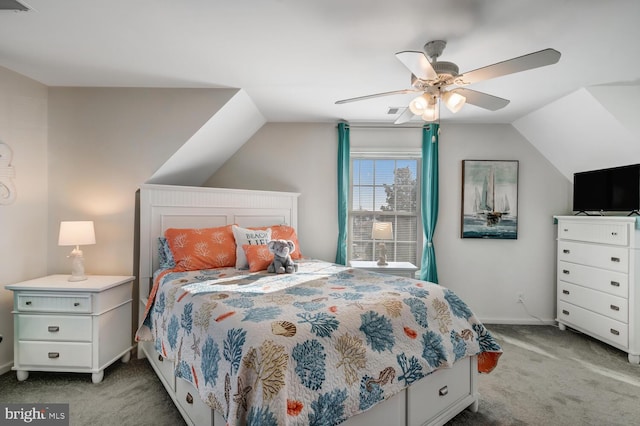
28,303
614,307
53,328
566,271
160,358
443,391
54,355
566,292
189,398
614,233
565,312
615,283
615,259
76,303
566,230
614,332
566,251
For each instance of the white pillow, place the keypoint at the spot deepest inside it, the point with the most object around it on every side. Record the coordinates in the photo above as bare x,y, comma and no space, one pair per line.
248,236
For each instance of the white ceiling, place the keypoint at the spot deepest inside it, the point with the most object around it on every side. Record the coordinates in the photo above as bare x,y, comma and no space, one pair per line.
295,58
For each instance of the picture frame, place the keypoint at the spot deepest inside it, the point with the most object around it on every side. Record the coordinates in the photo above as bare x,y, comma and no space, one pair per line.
489,199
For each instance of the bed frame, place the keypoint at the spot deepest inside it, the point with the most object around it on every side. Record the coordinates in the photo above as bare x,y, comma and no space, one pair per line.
431,401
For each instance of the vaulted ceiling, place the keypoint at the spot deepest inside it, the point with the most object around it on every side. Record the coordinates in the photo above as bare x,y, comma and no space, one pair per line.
295,58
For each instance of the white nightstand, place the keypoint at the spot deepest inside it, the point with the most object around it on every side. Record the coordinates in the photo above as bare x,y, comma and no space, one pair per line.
401,269
79,327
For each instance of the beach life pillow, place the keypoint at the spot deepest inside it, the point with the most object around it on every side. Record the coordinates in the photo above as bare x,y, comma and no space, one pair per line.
202,248
286,232
258,257
248,236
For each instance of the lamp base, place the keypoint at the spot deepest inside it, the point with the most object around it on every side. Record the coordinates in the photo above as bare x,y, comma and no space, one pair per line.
382,262
74,278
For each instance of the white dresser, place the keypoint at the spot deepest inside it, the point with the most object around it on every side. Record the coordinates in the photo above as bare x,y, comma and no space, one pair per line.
598,279
81,326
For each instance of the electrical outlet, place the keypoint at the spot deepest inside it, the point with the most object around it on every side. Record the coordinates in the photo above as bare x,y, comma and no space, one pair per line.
520,297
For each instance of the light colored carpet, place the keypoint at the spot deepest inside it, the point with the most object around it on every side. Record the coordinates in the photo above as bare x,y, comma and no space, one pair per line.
545,377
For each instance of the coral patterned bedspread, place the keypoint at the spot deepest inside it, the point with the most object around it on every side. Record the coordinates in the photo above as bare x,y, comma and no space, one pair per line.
313,347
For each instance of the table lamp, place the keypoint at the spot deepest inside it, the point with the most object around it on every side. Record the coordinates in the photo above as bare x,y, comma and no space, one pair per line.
76,233
382,231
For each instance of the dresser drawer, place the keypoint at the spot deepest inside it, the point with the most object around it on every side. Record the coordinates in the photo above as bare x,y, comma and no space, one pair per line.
42,302
441,389
189,399
608,305
594,232
616,283
601,327
54,354
54,327
607,257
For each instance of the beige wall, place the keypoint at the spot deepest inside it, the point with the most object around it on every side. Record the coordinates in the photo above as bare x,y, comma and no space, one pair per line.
23,224
487,274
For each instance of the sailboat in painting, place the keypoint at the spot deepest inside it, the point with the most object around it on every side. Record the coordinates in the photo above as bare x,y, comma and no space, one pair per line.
487,205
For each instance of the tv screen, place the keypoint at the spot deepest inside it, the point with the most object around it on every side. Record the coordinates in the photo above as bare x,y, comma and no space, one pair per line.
616,189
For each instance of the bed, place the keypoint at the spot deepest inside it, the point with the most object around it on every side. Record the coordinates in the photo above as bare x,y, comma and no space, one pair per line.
326,344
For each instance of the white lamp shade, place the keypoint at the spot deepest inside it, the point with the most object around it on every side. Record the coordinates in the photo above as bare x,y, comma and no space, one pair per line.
454,101
382,231
430,114
419,104
76,233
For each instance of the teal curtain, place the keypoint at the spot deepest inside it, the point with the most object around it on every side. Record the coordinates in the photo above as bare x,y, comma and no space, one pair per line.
429,271
343,192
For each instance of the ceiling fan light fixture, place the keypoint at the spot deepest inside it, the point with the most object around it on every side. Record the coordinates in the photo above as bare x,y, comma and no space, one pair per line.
454,101
430,113
419,104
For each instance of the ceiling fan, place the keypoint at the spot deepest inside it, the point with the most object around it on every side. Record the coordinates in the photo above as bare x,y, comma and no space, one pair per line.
434,80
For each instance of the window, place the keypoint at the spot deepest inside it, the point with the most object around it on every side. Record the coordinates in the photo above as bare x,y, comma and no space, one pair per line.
385,190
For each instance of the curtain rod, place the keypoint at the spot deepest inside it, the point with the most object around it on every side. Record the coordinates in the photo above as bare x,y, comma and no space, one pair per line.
381,126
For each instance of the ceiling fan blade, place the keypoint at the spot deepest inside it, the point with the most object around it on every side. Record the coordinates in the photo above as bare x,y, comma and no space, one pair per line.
404,117
418,64
482,100
377,95
522,63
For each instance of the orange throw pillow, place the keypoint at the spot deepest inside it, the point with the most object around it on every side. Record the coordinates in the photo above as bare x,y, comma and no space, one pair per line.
204,248
258,256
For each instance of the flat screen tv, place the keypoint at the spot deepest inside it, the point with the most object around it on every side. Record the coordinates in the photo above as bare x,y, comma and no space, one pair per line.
607,190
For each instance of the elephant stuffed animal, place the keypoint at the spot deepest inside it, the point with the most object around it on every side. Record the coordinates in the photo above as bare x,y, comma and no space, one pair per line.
282,262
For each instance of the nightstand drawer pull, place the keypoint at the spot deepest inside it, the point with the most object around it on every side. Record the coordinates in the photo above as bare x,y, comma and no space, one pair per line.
53,355
615,259
615,283
566,251
614,332
566,271
614,233
614,308
566,292
189,398
28,303
53,328
443,391
564,311
76,303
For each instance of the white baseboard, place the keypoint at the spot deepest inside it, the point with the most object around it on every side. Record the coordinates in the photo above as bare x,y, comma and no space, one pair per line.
519,321
4,368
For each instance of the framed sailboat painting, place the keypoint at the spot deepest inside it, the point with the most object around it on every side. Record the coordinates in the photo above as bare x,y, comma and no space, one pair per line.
490,199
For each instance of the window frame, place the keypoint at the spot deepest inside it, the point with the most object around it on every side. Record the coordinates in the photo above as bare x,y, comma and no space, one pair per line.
364,155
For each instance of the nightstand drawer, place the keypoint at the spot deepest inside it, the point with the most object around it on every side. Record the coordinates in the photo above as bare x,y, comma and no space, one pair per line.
53,354
54,328
80,303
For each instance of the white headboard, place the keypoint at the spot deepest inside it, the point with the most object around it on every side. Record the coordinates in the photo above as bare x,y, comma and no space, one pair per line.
168,206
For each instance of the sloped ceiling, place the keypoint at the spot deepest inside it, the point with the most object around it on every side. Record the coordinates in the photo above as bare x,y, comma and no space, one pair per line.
217,140
591,128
